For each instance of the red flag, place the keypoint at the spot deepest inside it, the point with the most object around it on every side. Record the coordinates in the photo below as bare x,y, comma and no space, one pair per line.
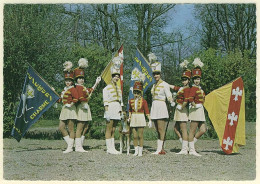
121,54
232,116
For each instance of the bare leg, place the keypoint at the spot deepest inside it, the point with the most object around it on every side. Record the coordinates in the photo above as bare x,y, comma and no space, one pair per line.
135,141
71,128
202,130
114,128
161,129
62,128
141,137
80,126
109,129
85,129
156,127
193,128
183,126
177,129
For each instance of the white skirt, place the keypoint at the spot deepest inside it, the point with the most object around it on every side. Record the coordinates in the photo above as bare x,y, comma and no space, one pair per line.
114,110
159,110
83,114
181,115
68,113
137,120
197,114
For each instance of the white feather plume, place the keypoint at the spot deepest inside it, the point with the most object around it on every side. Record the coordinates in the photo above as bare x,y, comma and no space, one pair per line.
117,61
184,64
67,66
83,63
197,62
152,57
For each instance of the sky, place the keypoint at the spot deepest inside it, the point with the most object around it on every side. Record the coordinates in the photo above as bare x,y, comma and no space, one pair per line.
182,17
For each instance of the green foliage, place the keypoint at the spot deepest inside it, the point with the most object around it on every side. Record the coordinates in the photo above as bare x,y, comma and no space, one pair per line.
45,36
221,68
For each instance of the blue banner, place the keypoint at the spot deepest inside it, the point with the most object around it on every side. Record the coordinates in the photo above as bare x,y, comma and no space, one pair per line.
140,67
36,98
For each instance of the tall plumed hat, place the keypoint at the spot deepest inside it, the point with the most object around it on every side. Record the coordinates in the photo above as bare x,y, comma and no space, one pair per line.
138,86
116,63
186,72
79,72
196,71
68,72
155,65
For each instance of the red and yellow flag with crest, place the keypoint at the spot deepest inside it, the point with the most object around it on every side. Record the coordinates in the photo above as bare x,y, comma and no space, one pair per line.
226,110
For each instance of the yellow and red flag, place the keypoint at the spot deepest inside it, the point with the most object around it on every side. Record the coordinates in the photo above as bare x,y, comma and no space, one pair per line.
226,110
106,74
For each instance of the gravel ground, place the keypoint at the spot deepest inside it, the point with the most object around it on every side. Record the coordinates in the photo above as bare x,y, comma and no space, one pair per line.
43,160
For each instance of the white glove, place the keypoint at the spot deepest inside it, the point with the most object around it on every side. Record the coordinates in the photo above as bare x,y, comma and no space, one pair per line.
98,79
150,124
172,104
85,105
198,105
106,115
179,107
68,105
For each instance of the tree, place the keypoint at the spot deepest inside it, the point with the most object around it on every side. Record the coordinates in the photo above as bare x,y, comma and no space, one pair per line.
229,26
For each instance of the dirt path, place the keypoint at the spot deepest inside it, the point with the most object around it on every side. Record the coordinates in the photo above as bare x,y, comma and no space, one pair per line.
43,160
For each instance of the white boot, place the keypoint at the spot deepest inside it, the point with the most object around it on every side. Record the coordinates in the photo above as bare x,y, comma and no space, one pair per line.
136,151
79,147
110,147
66,139
70,146
108,144
159,147
82,139
184,149
140,151
113,146
195,140
192,149
180,139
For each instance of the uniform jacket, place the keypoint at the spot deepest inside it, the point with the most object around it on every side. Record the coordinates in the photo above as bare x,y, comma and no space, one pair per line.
69,94
196,95
161,91
182,94
140,107
83,92
112,93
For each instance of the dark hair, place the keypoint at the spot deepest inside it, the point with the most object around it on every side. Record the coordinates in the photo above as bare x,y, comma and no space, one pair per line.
193,78
185,78
69,79
80,77
137,91
156,73
113,75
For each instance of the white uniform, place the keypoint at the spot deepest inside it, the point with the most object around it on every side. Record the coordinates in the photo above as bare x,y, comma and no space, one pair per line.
160,92
112,97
